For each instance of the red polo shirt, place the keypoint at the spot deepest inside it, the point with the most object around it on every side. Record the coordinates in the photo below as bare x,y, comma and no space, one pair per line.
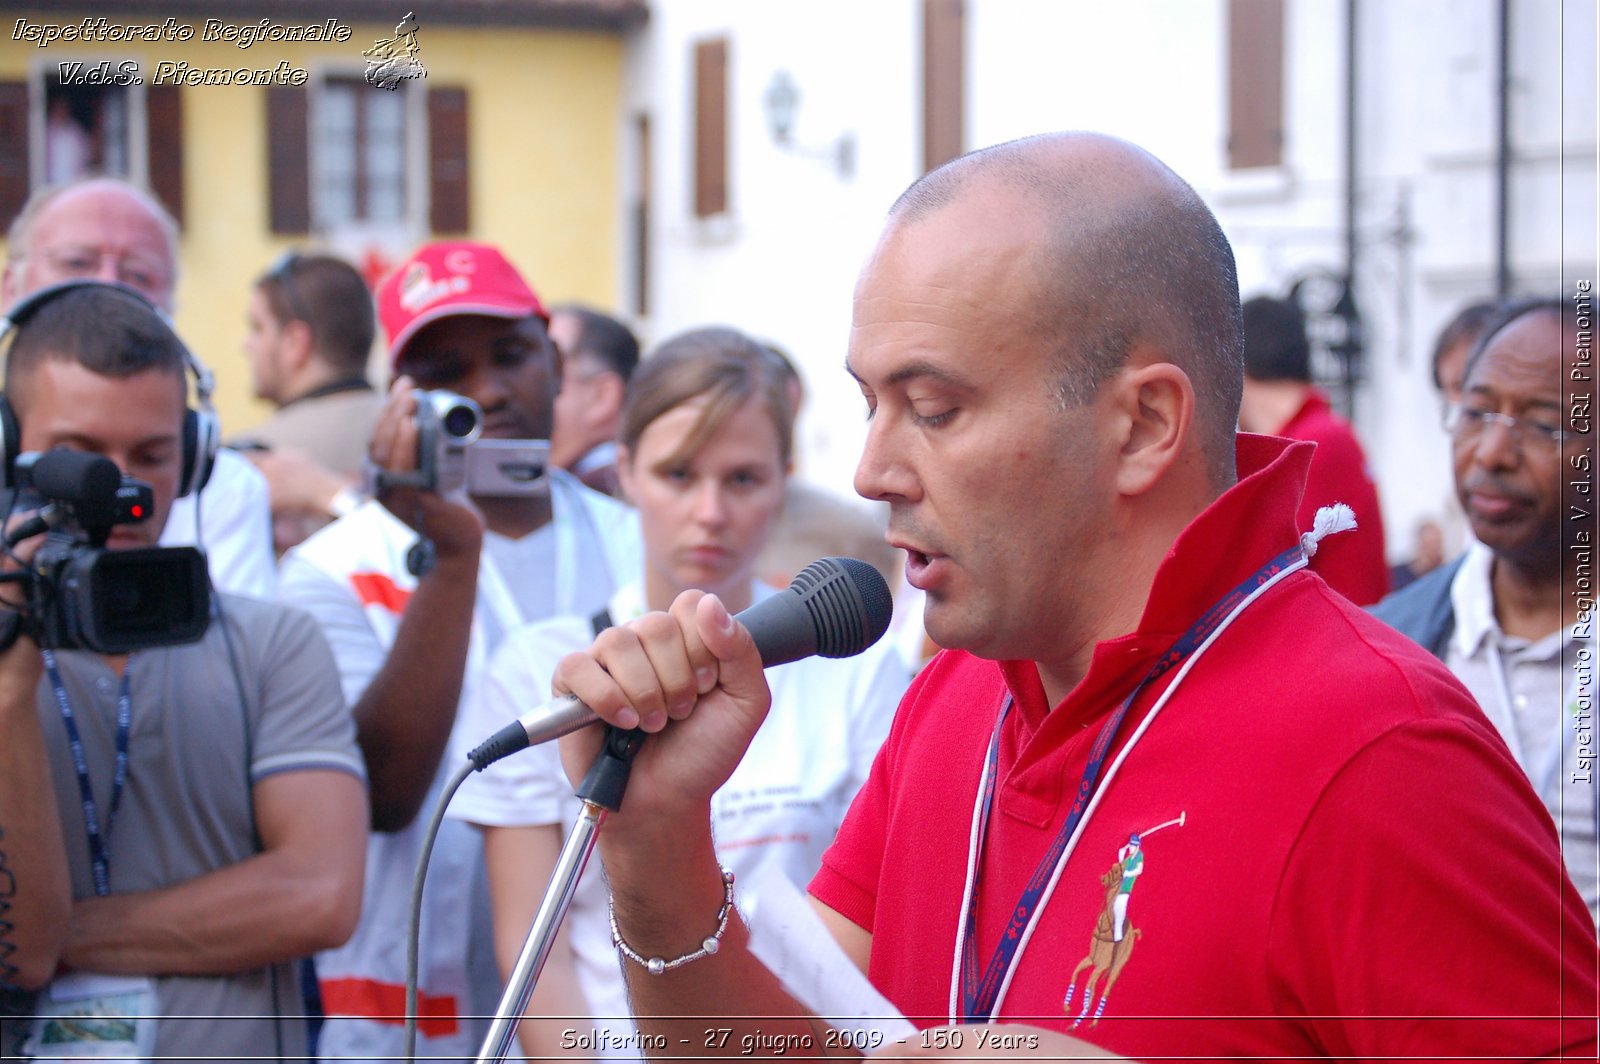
1358,869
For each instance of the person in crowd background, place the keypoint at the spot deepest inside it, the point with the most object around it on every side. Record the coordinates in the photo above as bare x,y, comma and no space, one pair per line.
69,150
816,523
1503,616
105,228
1454,344
1450,350
209,803
1427,554
1048,339
412,628
1280,400
310,329
705,447
598,355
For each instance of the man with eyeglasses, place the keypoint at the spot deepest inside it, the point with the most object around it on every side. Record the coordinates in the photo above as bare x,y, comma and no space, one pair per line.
106,229
310,323
1505,616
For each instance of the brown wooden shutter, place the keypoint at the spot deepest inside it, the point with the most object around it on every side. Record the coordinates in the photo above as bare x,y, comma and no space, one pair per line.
13,148
289,159
1255,83
711,127
943,80
164,124
449,195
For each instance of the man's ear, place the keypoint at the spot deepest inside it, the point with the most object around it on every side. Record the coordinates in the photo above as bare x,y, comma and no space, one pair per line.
298,343
11,283
625,482
610,392
1155,408
559,368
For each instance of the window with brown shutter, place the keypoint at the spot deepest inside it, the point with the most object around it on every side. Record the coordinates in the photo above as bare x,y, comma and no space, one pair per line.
13,148
56,130
943,80
288,159
164,133
711,127
449,209
360,139
1255,83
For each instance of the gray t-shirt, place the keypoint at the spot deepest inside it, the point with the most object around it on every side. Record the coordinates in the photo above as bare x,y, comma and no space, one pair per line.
194,753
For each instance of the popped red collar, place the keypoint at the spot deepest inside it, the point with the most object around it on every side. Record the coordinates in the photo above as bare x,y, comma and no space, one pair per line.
1224,544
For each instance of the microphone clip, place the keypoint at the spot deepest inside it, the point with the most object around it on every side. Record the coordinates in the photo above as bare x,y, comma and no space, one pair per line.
608,776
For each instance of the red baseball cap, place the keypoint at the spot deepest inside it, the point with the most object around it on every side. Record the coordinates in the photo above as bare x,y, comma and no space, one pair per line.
450,278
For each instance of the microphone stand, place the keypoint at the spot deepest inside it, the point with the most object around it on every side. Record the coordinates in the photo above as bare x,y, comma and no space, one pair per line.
601,791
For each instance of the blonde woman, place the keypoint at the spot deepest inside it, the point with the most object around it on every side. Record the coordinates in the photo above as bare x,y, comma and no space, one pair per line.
703,454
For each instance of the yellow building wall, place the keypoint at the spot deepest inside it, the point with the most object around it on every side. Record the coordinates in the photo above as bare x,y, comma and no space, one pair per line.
544,123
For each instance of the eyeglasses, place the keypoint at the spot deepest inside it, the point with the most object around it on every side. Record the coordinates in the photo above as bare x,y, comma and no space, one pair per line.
1467,423
137,272
282,274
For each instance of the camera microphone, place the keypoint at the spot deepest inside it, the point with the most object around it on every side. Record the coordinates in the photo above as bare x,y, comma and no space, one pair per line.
76,477
82,596
72,482
836,607
86,486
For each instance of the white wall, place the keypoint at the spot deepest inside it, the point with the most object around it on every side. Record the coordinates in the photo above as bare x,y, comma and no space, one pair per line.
782,263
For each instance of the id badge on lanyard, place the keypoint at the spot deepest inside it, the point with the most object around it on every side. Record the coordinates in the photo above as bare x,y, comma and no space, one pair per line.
84,1015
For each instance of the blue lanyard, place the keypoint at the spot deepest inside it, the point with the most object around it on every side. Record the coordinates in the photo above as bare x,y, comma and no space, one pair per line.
979,993
99,841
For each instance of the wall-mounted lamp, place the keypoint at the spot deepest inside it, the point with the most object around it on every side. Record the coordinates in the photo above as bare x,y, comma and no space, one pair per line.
782,102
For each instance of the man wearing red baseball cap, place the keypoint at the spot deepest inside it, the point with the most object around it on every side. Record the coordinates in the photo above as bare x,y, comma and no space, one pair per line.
411,639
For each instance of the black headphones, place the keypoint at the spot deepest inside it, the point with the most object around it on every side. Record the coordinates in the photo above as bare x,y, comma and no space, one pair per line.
201,435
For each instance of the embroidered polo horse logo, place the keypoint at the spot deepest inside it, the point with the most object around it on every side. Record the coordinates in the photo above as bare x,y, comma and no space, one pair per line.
1114,935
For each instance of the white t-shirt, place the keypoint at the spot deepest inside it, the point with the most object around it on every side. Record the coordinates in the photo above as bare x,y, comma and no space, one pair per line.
352,578
233,526
782,804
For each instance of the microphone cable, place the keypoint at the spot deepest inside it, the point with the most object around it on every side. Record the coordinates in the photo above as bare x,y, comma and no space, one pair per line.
414,918
835,607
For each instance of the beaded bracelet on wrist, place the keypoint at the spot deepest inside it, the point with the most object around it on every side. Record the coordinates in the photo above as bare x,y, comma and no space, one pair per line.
659,966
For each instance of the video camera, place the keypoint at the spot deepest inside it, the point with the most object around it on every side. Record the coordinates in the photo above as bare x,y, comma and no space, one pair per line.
451,455
82,596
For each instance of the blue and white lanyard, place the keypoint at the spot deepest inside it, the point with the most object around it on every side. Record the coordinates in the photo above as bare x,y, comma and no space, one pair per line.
99,841
979,995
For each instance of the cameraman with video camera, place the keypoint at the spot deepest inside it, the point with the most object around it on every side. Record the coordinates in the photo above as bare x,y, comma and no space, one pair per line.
470,535
208,795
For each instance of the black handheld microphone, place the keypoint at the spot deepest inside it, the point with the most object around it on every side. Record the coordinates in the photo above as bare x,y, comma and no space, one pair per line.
836,607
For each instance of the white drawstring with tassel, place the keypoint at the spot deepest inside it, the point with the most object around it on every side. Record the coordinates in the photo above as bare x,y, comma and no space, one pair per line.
1329,521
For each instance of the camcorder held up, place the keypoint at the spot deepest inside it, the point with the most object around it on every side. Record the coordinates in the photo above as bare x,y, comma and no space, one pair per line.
452,456
81,596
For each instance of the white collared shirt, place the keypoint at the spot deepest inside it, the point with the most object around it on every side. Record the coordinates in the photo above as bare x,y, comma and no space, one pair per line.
1539,694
